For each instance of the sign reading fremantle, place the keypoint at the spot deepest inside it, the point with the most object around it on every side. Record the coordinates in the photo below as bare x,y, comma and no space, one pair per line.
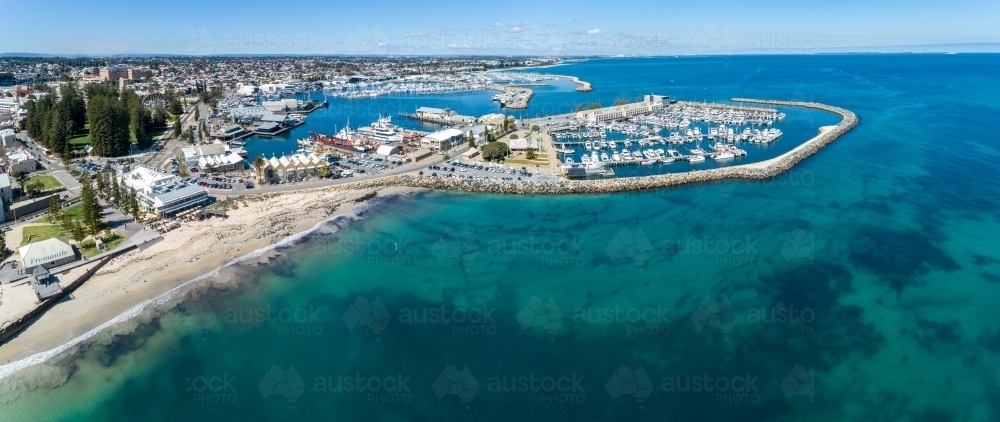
49,258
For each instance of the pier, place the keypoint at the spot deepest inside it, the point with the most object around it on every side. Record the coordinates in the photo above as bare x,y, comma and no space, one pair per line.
519,99
414,116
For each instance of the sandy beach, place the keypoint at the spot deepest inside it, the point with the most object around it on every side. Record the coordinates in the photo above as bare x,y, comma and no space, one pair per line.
194,249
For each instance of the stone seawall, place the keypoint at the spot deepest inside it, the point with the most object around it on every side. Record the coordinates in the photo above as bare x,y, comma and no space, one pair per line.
752,171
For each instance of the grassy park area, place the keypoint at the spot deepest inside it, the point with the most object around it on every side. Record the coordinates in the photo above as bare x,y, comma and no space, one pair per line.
75,212
48,182
81,140
32,234
88,247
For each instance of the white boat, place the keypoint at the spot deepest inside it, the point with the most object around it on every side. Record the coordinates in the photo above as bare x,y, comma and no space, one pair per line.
604,157
616,157
696,158
726,155
626,155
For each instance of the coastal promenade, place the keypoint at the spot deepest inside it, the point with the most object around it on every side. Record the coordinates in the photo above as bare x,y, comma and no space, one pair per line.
754,171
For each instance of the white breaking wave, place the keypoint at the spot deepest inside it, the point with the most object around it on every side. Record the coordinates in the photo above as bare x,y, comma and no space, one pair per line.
13,367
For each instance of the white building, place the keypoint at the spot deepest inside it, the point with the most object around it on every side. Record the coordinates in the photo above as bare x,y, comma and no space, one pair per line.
247,90
649,104
9,105
387,150
7,137
523,144
247,114
292,167
442,140
217,155
20,161
285,105
49,253
5,192
163,193
432,113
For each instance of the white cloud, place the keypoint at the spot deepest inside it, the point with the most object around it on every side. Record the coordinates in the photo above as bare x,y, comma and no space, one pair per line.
515,29
498,24
594,31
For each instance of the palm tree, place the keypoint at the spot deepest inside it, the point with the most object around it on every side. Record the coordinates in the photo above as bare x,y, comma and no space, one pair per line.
258,166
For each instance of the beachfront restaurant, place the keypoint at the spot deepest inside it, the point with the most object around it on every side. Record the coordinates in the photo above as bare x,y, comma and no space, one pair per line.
161,193
48,253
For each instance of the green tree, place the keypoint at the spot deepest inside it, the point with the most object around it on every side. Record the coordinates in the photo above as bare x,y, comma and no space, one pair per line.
20,177
115,193
159,117
530,154
324,171
34,188
197,113
182,167
177,128
77,231
175,107
109,125
55,208
495,151
258,167
91,207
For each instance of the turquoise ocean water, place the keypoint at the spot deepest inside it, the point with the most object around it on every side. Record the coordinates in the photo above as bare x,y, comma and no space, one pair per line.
861,285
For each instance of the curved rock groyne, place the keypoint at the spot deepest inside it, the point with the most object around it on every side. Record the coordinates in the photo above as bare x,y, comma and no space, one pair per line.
753,171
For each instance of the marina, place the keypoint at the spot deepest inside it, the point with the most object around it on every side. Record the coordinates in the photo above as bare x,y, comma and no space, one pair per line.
670,134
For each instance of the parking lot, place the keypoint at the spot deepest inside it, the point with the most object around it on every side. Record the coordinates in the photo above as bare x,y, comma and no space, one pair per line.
218,182
477,171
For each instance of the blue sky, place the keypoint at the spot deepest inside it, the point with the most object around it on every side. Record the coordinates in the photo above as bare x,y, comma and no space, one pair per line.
510,27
